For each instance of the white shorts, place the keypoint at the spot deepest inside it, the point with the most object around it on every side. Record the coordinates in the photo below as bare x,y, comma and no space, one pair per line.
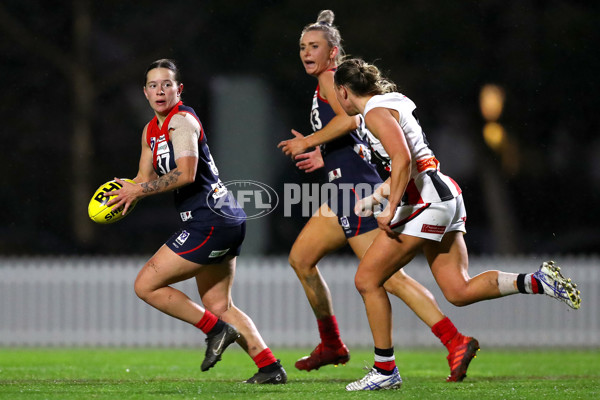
431,220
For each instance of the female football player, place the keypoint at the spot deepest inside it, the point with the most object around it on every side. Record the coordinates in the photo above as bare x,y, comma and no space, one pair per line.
175,158
346,162
425,213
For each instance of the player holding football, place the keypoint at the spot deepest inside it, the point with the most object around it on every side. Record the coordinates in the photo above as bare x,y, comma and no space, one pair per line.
175,158
425,213
345,159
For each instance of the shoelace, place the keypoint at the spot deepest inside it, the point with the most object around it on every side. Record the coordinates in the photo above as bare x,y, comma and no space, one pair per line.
556,286
367,377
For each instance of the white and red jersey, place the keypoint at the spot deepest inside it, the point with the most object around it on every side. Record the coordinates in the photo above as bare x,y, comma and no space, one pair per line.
427,184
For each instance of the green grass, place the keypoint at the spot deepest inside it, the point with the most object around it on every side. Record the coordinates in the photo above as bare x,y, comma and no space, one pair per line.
55,373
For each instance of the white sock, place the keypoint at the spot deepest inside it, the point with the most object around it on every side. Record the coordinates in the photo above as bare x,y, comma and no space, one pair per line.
506,283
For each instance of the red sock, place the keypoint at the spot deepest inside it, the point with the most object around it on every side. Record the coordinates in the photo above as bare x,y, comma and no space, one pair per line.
387,366
329,332
264,358
385,361
207,322
445,331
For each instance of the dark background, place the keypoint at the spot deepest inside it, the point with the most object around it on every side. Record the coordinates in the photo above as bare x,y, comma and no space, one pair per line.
73,109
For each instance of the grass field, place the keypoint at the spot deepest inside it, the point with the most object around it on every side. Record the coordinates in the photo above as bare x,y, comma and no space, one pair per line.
175,374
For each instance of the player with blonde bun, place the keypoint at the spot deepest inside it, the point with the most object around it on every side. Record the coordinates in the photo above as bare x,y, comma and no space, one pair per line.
341,139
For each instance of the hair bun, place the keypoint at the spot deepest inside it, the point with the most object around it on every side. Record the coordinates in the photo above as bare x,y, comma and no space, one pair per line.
326,17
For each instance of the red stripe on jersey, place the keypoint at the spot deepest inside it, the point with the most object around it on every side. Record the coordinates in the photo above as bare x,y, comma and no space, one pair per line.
319,95
212,228
411,216
319,90
412,193
456,185
359,217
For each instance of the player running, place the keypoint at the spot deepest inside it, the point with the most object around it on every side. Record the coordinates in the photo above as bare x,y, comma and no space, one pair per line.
345,158
424,213
175,158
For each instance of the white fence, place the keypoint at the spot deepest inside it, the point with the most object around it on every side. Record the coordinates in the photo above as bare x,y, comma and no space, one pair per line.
90,302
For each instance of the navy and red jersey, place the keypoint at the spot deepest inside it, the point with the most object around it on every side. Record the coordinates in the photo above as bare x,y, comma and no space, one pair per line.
347,163
206,200
346,159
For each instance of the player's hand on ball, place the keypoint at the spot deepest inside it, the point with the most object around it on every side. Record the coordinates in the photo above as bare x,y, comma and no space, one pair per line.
124,197
101,209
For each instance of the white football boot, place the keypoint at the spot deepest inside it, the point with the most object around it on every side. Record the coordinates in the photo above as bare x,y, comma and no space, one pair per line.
375,380
557,286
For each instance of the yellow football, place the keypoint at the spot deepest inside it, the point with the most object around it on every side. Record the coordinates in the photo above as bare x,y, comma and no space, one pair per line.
97,209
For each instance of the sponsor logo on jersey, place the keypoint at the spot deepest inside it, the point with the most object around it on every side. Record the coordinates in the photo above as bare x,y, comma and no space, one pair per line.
152,143
435,229
345,222
182,237
218,189
186,215
363,151
217,253
334,174
163,147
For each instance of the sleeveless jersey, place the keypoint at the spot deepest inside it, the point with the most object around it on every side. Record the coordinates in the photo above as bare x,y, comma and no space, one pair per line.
206,199
427,184
347,159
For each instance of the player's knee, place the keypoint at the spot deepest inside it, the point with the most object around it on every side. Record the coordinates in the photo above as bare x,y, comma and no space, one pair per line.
363,285
456,297
301,264
217,306
143,282
142,290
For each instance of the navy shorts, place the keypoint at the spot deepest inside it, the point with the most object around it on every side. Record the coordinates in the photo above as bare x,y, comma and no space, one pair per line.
342,205
203,244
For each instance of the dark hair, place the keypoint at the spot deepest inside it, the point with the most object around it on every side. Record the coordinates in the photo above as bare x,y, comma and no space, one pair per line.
164,63
362,78
332,34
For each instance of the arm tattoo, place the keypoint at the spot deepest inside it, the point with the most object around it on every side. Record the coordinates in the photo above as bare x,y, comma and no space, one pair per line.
162,183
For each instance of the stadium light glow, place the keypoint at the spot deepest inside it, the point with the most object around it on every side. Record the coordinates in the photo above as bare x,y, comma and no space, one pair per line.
491,102
494,135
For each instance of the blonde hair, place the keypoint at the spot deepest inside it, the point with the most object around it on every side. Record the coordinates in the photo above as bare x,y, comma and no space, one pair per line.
362,78
330,32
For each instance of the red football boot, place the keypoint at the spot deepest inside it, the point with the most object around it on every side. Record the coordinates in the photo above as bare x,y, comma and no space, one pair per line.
463,351
323,355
